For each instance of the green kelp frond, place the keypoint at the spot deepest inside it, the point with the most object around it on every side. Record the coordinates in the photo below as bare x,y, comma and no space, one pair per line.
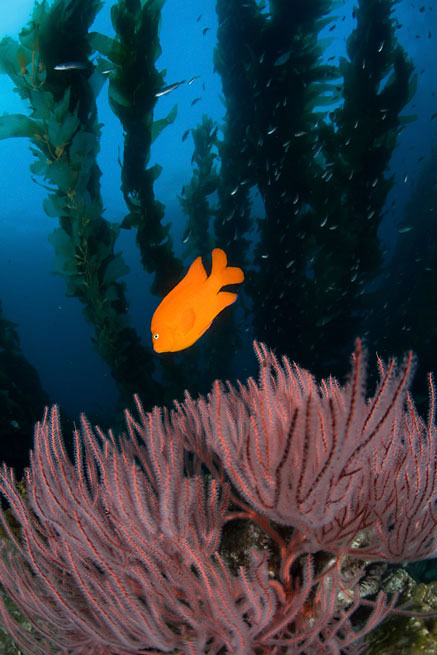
65,139
161,123
13,125
133,85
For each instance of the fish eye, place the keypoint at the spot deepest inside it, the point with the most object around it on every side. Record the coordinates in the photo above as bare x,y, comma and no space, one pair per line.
156,336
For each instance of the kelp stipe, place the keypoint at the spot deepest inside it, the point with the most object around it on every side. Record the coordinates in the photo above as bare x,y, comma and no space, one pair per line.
321,175
133,86
64,133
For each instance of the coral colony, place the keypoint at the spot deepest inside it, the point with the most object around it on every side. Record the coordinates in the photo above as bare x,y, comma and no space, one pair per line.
128,549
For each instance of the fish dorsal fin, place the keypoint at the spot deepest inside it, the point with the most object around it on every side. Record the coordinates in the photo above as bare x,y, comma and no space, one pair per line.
195,276
196,273
187,320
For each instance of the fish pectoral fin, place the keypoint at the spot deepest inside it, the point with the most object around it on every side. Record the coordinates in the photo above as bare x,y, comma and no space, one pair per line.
223,299
187,320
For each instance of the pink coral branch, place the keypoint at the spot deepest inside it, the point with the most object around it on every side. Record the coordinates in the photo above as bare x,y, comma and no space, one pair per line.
121,550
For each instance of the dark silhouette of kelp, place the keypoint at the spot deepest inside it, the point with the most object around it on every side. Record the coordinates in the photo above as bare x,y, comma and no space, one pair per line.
21,398
322,177
194,196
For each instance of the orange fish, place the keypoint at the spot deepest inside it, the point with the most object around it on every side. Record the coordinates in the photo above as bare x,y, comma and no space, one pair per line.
189,309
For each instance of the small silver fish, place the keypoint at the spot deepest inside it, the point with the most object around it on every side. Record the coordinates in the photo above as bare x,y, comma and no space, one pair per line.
168,89
72,65
282,59
104,66
193,79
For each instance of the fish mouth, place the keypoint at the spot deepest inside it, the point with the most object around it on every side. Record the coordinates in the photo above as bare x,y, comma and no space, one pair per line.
158,346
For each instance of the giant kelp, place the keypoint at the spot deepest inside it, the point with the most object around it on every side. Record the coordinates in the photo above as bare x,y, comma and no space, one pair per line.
194,198
322,176
64,133
133,87
357,146
269,64
236,59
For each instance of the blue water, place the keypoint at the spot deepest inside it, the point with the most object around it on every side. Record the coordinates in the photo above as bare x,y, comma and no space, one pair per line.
54,336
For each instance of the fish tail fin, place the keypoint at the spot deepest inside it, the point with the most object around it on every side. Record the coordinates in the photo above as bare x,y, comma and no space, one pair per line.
224,299
222,272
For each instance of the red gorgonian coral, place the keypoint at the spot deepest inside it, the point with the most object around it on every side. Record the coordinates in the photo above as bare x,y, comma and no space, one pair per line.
122,551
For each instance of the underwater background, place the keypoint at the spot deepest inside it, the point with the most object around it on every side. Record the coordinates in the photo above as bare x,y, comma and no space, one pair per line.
299,137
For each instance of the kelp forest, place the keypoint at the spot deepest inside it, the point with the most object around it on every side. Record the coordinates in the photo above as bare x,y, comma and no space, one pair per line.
313,139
